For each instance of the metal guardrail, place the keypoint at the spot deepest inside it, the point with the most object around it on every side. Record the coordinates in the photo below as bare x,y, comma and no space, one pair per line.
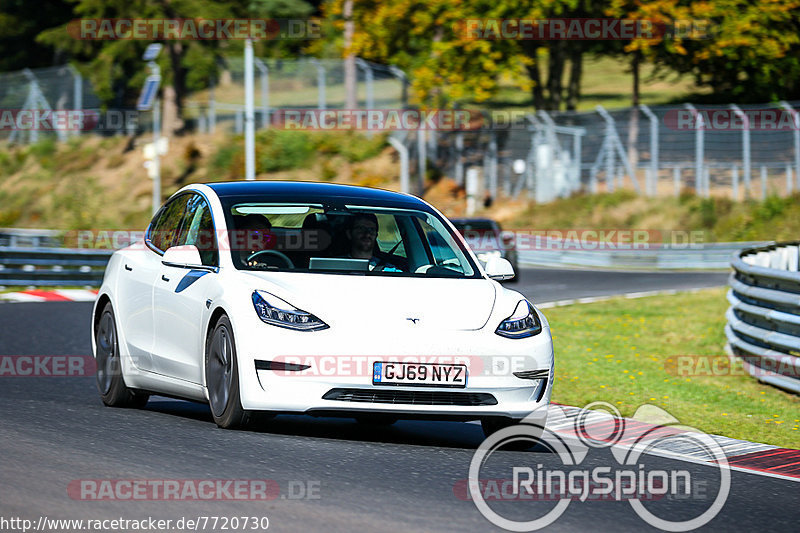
763,326
53,267
702,256
39,238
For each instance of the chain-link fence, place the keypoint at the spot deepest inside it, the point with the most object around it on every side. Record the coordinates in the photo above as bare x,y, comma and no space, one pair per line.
37,91
736,151
294,84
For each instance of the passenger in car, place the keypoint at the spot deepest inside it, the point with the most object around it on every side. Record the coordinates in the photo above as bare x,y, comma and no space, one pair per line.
362,233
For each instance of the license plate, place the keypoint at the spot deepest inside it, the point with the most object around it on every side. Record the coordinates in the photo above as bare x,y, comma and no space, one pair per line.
419,374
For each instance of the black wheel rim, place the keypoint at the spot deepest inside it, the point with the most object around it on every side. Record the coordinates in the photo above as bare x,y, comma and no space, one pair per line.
220,370
107,355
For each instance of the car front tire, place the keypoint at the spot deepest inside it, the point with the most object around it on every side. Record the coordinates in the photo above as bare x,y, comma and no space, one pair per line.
222,380
109,378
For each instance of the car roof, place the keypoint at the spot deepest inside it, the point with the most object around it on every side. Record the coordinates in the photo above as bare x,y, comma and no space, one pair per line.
306,191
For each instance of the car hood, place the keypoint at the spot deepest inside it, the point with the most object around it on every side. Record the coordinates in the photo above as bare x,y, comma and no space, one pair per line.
383,302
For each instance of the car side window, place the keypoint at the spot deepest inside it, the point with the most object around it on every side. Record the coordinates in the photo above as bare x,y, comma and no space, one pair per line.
389,235
197,228
166,231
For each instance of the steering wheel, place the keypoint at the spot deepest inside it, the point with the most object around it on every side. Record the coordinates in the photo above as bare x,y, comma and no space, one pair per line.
276,253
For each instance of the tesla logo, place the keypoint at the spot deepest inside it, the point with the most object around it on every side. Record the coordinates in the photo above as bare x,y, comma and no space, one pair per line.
413,320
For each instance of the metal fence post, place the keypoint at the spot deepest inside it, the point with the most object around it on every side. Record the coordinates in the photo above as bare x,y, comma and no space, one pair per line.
531,166
264,71
788,179
321,104
676,180
735,178
652,176
746,163
699,174
578,159
492,174
422,158
368,79
611,145
77,92
402,149
212,109
459,171
249,115
796,134
763,182
400,75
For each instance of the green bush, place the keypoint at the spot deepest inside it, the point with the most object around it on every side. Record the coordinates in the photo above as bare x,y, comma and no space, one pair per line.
226,161
283,150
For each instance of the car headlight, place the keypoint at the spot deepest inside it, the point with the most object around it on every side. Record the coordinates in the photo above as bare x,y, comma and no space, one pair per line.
281,313
524,322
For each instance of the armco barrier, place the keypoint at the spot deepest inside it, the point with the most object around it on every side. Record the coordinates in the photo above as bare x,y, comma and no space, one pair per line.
763,326
54,267
702,256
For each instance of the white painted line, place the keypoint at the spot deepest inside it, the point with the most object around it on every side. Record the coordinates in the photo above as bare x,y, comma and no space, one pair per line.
628,295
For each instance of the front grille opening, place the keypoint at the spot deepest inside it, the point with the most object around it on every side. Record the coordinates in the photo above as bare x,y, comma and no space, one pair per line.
401,397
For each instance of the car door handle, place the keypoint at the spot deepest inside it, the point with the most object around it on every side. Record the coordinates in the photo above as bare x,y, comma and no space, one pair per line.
128,268
164,278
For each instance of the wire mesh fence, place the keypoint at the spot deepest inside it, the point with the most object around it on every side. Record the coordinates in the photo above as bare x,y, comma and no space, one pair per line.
735,151
295,84
26,95
747,151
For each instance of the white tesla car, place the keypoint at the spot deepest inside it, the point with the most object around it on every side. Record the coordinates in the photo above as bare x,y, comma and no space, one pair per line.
262,298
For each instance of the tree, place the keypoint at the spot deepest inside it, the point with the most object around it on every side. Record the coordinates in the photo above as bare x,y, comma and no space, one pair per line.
20,22
432,41
742,49
115,66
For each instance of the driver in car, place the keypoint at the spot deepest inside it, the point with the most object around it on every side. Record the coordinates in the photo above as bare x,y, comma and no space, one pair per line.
363,237
256,238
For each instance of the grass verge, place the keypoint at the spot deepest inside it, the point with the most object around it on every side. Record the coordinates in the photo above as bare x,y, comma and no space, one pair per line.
624,352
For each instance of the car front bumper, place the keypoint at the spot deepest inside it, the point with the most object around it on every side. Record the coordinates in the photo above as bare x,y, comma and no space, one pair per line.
342,361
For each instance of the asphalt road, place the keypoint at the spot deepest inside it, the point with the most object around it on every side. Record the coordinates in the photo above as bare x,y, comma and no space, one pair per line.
54,431
547,284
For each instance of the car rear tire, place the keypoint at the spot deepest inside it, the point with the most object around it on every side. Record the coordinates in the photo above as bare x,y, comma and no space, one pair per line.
109,378
222,379
494,424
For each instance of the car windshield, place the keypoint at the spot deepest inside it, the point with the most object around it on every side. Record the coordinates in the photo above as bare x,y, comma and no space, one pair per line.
344,239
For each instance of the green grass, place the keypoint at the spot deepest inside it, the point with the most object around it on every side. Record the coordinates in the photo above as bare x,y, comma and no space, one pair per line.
622,352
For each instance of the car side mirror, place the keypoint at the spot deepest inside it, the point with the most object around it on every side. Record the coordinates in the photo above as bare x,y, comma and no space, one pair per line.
499,268
186,256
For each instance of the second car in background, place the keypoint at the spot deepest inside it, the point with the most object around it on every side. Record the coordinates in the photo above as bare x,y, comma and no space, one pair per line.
486,238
